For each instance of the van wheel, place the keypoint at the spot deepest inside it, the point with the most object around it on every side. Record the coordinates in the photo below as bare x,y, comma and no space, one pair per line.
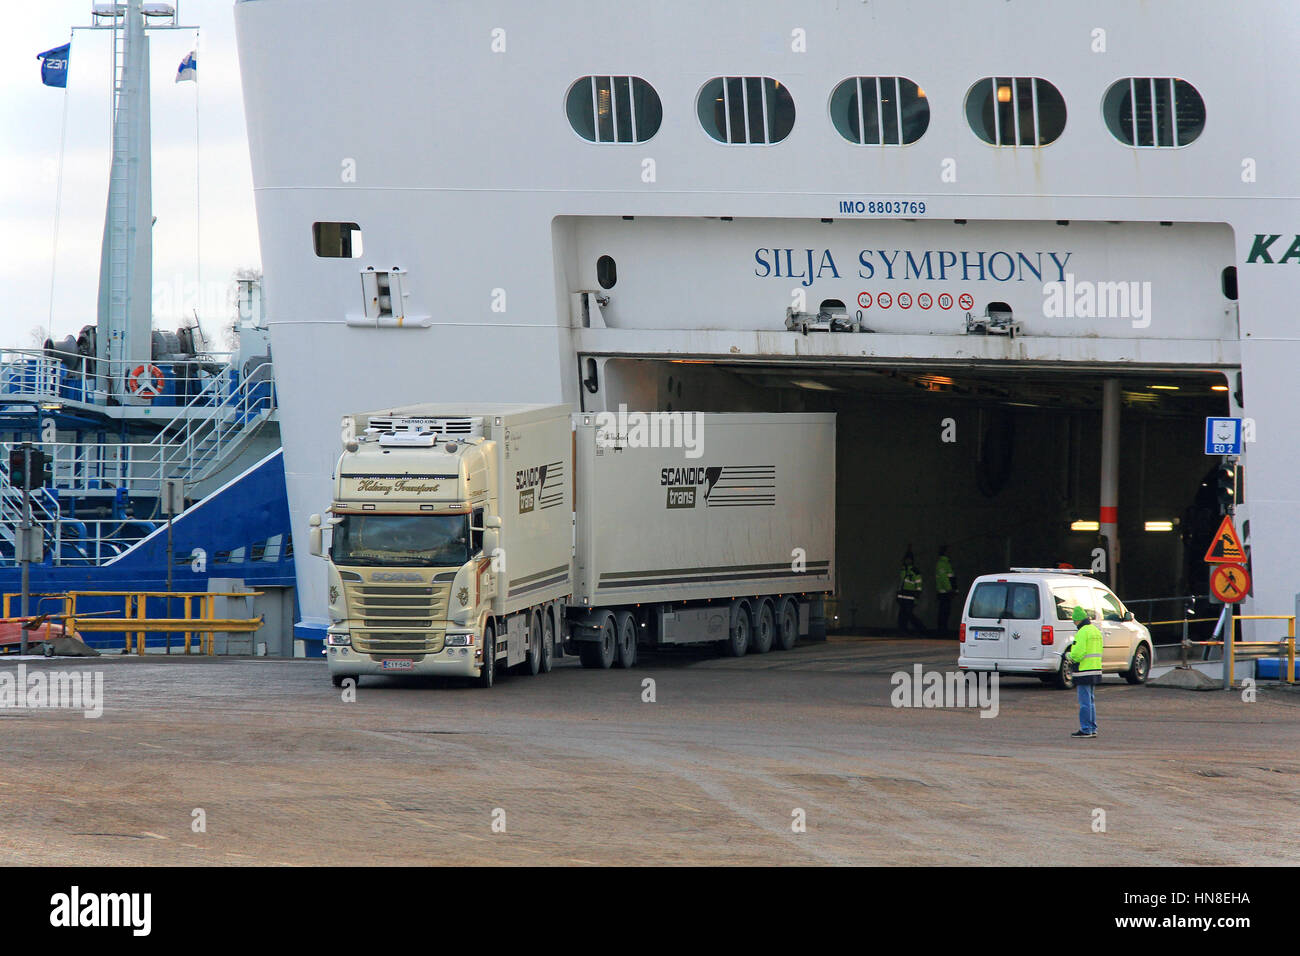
600,653
764,630
626,628
738,637
488,673
787,624
1065,676
1141,666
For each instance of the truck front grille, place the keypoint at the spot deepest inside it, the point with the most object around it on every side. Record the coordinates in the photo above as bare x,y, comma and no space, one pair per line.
397,642
399,618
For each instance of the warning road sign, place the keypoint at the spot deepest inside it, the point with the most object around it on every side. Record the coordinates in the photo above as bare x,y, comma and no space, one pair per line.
1229,583
1226,547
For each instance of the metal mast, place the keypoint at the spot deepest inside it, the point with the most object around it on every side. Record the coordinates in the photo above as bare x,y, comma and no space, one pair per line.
125,313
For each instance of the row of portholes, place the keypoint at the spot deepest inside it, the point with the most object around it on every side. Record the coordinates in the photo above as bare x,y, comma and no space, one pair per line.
887,110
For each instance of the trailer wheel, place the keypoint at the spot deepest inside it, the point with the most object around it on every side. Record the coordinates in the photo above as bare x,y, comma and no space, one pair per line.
764,630
488,672
534,663
626,624
787,624
548,643
738,637
600,653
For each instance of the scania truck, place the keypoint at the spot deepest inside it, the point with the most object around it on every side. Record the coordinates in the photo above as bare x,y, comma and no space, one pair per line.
467,539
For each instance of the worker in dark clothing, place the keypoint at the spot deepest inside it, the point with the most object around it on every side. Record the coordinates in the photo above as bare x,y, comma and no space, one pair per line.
909,591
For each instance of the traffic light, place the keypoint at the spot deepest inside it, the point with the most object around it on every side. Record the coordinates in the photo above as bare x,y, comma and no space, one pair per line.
38,475
1226,487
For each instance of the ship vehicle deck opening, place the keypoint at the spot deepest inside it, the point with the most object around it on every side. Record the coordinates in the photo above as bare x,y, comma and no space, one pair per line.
1002,466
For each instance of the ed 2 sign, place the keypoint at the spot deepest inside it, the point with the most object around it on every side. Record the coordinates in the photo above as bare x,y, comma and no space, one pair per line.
1223,436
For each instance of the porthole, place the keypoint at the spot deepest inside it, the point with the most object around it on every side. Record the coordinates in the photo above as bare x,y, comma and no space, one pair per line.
614,109
880,110
746,110
1015,111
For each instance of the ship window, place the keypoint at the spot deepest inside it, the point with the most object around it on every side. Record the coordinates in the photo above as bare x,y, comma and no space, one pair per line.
1153,111
1015,111
880,110
606,272
336,240
1230,283
752,110
614,109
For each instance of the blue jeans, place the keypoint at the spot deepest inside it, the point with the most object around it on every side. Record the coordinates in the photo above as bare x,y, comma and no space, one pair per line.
1087,708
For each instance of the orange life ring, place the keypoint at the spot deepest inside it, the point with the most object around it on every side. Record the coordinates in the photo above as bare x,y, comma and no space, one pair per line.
145,381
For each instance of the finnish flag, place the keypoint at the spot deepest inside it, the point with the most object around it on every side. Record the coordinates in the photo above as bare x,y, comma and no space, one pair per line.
54,65
189,68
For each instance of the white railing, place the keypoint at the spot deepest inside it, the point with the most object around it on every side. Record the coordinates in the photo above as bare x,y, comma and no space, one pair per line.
191,447
199,439
46,378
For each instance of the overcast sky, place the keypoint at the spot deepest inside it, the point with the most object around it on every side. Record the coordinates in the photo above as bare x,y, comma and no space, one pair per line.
30,115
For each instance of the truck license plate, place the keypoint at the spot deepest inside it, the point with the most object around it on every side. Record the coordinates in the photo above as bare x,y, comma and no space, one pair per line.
397,665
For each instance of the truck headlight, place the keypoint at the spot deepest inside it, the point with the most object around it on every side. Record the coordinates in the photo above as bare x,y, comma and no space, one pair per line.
459,640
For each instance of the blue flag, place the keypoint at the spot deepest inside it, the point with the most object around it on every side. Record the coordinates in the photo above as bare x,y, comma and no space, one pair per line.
189,68
54,65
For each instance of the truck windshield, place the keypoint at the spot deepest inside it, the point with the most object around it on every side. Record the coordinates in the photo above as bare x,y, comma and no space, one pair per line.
401,540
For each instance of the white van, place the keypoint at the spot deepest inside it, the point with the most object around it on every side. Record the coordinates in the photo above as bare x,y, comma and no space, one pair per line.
1020,623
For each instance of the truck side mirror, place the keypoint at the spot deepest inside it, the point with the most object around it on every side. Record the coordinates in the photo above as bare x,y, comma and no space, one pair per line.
491,540
492,521
314,536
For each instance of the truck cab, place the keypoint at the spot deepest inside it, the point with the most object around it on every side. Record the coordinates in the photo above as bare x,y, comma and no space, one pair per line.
409,582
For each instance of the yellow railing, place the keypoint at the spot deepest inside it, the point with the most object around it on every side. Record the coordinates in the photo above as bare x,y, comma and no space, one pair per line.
135,622
1250,646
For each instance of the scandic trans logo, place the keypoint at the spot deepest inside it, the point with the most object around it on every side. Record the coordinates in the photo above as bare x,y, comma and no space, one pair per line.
725,486
540,486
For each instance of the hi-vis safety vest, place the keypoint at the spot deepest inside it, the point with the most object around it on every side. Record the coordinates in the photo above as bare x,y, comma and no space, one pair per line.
910,579
1086,650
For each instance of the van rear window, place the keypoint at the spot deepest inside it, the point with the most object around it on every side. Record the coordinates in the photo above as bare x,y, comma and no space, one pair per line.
1002,599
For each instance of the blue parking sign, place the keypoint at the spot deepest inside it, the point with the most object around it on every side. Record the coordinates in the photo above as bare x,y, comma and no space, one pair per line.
1223,436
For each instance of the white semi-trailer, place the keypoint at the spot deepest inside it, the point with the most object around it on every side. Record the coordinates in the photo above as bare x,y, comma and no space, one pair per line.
467,538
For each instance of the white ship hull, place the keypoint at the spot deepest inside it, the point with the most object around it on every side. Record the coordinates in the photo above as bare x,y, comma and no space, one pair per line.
440,129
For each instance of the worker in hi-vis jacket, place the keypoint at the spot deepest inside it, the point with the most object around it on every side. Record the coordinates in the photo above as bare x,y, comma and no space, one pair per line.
1085,652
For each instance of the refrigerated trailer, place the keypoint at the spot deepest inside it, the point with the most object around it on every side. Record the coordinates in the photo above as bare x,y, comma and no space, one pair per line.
467,538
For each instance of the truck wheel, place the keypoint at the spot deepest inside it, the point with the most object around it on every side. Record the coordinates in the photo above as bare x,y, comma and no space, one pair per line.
336,680
600,653
738,637
1141,666
487,674
787,624
548,643
626,625
764,630
534,663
